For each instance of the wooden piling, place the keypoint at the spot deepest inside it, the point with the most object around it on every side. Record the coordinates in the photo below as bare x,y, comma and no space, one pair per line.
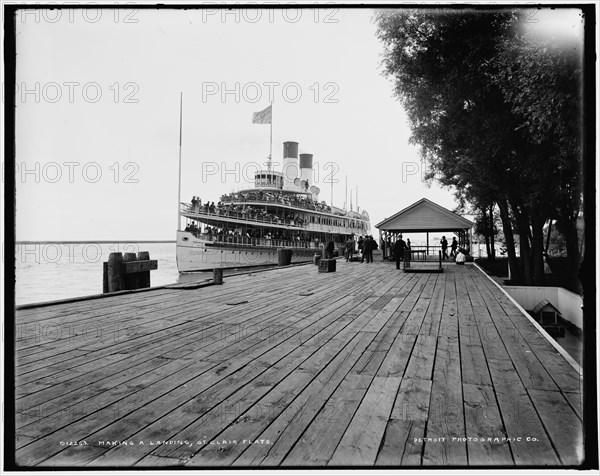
131,280
144,277
115,277
104,277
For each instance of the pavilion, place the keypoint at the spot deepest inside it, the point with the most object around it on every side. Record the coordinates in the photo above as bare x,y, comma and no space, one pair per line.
424,216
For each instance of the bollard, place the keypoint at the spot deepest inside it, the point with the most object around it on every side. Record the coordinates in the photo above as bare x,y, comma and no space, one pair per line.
127,272
327,266
104,277
144,277
115,278
284,257
218,276
130,280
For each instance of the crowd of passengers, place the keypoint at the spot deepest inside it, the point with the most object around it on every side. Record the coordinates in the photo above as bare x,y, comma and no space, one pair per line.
232,234
245,212
289,199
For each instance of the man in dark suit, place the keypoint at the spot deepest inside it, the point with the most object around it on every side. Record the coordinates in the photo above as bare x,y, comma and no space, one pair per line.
444,243
368,247
329,249
399,248
350,248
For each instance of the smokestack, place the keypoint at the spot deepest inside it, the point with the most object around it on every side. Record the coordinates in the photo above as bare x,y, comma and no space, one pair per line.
306,170
290,165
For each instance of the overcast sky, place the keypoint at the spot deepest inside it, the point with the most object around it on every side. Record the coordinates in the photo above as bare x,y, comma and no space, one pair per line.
98,114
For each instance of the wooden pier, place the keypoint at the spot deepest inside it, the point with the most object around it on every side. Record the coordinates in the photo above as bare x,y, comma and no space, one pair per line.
367,366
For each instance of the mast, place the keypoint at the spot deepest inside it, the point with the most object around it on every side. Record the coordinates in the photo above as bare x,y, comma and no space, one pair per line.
270,140
346,196
180,135
331,191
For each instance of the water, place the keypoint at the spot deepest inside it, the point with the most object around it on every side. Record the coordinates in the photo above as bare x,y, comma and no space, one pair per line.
50,271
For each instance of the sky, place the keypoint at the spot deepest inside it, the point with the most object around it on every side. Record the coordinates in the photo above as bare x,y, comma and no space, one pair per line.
98,107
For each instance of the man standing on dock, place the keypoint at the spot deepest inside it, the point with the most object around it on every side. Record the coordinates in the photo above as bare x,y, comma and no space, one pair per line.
444,243
349,248
368,247
399,248
329,249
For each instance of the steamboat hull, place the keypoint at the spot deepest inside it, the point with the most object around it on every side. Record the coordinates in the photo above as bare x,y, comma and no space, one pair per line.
197,254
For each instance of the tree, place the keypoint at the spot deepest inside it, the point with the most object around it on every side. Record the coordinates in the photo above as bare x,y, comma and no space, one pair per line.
542,78
449,70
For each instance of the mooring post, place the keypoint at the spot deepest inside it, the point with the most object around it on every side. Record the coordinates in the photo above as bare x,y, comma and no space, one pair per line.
130,279
218,276
144,277
115,276
104,277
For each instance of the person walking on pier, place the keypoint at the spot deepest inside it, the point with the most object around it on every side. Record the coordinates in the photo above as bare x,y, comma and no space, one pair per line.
453,247
399,248
444,243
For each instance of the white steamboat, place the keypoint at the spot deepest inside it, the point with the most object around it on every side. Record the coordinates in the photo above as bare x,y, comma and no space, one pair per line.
281,211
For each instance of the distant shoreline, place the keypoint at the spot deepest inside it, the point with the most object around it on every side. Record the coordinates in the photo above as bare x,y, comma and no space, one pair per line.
99,242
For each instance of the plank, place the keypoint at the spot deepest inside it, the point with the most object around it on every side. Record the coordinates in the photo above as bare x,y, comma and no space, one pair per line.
484,422
321,438
422,358
446,416
402,443
562,424
576,402
520,418
360,443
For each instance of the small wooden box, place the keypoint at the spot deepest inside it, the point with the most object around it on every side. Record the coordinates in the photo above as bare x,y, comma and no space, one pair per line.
327,266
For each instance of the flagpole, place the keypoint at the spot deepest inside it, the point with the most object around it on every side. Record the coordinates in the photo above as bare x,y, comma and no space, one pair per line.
180,135
271,138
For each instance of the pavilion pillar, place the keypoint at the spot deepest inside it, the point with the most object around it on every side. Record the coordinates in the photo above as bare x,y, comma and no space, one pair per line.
427,253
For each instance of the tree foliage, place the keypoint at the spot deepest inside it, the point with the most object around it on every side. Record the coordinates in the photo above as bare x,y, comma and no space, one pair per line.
470,84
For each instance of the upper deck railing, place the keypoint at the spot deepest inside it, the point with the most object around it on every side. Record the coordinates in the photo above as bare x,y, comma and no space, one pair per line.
238,215
278,198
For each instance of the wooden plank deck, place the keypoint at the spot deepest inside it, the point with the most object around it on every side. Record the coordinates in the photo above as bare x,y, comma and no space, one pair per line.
368,366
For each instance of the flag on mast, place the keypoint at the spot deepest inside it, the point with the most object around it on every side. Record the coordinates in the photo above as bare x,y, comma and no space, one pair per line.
262,117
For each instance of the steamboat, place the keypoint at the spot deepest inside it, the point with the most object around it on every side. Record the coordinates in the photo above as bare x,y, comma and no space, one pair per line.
281,210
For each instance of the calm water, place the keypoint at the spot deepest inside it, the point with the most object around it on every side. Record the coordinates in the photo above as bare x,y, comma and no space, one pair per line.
45,272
